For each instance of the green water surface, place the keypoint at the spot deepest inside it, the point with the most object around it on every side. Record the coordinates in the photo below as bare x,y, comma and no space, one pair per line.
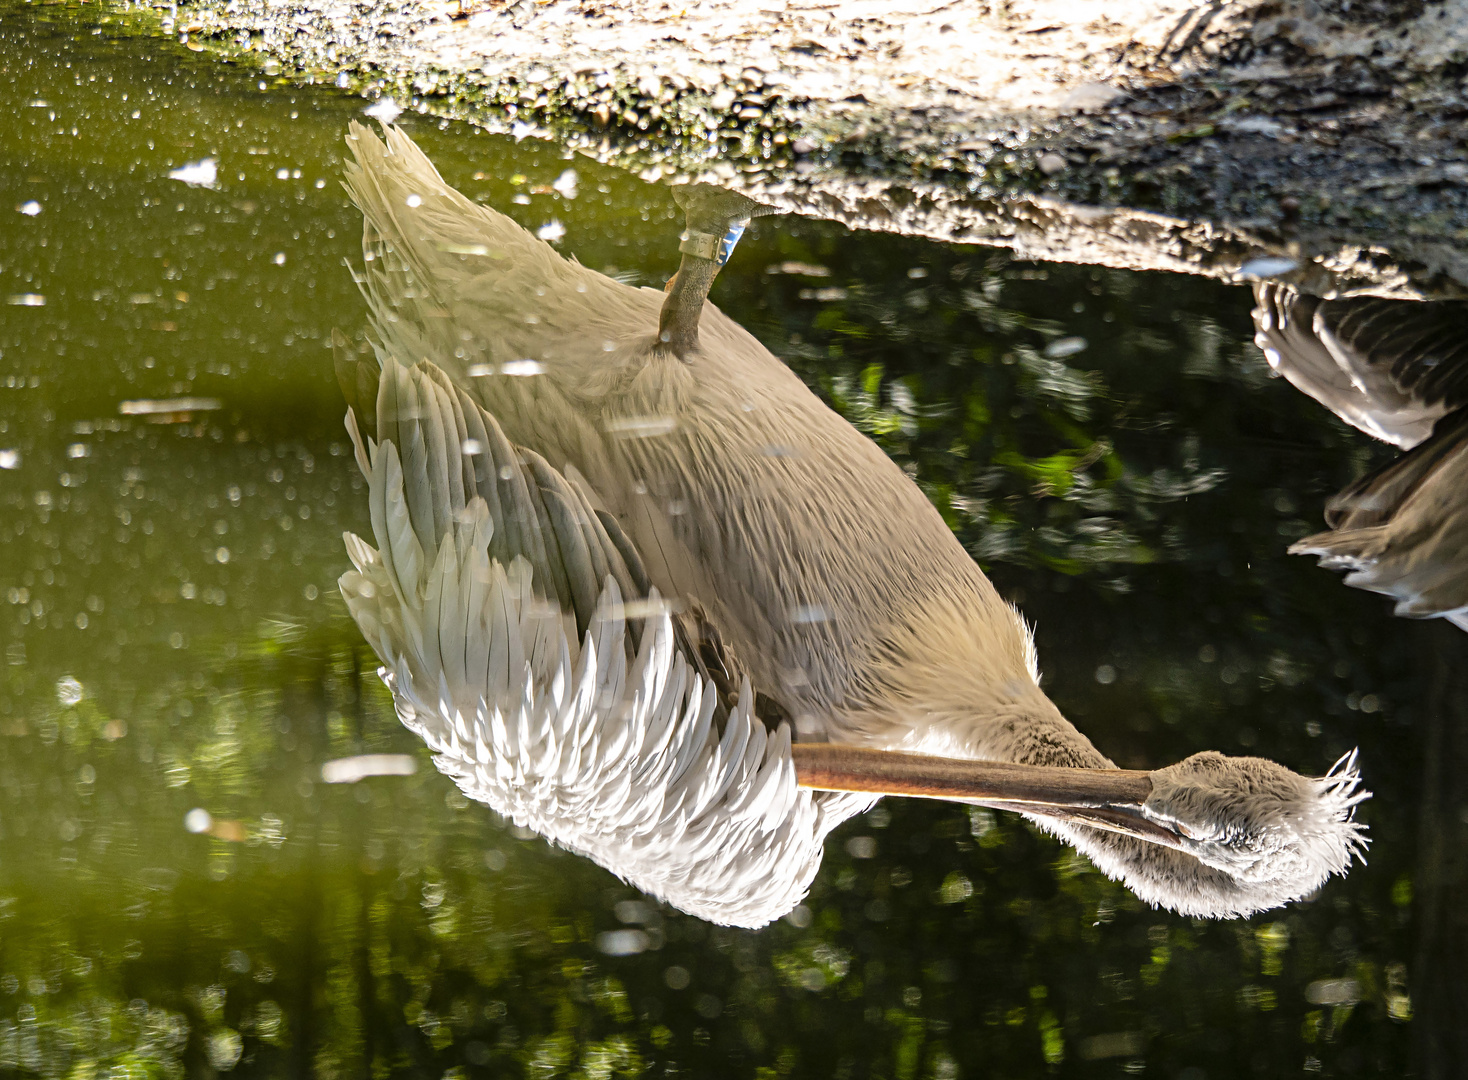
173,641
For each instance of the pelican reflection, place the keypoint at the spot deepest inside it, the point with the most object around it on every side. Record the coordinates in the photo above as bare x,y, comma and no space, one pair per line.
615,615
1397,370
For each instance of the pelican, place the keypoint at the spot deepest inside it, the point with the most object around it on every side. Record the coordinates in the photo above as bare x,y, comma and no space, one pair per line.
639,590
1397,370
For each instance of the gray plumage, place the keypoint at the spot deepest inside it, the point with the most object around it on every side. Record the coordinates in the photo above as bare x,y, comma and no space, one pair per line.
1397,370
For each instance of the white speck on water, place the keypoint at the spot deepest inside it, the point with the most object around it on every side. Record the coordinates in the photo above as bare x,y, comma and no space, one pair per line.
862,847
29,299
519,129
69,690
552,231
202,173
623,942
917,273
343,80
9,459
349,770
30,209
1267,266
221,555
320,183
282,174
1066,346
1106,674
279,259
640,427
809,613
198,820
566,184
78,450
414,200
385,110
522,367
167,406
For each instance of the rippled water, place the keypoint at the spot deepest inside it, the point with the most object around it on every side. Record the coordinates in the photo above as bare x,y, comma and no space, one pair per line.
181,892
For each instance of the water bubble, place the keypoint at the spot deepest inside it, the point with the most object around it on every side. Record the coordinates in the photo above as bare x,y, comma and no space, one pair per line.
385,110
1106,674
623,942
9,459
862,847
279,259
221,554
198,820
522,367
69,690
1066,346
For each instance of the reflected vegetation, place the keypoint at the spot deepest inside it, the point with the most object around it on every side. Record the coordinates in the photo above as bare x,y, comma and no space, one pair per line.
1109,445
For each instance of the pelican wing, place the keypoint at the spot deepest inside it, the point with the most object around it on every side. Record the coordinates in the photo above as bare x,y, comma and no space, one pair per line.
522,644
1391,368
1402,530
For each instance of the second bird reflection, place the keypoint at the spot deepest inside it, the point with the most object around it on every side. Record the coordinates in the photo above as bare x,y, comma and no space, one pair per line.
616,617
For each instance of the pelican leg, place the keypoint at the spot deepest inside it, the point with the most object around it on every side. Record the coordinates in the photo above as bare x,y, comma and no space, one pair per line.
715,220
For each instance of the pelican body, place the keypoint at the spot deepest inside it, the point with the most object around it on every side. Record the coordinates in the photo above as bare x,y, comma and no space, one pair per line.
622,596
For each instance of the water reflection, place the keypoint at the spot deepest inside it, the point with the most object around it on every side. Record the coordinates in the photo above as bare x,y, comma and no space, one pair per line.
811,590
1134,496
1398,371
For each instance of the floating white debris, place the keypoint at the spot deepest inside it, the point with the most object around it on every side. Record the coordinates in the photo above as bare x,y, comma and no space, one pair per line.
623,942
1066,346
522,367
29,209
566,184
198,820
78,450
385,110
1267,266
9,459
349,770
282,174
519,129
809,613
202,173
27,299
551,231
168,406
640,427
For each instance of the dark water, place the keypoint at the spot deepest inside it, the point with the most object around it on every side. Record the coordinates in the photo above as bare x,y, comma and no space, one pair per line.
173,641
